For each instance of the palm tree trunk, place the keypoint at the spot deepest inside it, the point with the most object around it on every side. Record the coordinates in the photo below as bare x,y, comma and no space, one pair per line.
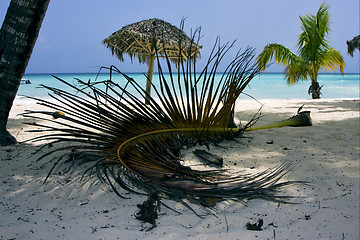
315,90
18,35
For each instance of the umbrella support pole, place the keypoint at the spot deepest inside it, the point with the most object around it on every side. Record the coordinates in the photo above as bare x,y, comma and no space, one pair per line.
149,78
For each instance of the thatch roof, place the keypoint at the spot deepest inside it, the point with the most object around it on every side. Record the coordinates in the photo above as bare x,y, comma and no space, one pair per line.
353,44
142,38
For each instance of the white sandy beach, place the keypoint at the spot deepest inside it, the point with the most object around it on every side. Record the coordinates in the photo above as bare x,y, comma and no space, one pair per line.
326,155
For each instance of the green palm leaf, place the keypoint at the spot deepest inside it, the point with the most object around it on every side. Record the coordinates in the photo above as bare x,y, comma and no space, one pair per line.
313,38
296,69
331,60
278,52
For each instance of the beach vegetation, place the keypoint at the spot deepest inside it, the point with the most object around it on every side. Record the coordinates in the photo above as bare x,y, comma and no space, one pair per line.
136,147
314,52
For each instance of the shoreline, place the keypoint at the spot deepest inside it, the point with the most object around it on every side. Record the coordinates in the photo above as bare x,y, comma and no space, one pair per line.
325,155
69,73
19,99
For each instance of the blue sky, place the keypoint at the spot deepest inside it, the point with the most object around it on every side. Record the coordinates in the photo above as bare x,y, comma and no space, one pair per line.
72,31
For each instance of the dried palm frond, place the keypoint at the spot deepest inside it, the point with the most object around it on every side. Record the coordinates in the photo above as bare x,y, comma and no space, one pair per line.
138,147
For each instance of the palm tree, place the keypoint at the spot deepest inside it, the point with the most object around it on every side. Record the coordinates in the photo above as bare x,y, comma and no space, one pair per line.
18,35
314,50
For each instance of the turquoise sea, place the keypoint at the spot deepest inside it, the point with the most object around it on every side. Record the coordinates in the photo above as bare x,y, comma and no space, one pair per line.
263,86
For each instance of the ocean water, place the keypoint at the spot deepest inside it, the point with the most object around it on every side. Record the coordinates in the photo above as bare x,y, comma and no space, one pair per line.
263,86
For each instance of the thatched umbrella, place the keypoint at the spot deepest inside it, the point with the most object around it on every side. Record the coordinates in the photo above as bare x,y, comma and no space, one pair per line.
353,44
148,38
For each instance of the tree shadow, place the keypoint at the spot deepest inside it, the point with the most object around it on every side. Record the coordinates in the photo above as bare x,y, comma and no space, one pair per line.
325,155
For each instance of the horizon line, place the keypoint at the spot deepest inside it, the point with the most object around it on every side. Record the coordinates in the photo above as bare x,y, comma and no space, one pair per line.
336,73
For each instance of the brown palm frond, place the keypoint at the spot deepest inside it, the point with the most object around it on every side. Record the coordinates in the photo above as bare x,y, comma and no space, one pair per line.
137,147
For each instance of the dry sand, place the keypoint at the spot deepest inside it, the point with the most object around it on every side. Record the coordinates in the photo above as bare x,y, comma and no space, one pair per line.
326,155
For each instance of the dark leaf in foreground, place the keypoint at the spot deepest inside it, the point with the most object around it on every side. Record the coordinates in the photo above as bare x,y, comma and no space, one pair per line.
255,226
148,210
